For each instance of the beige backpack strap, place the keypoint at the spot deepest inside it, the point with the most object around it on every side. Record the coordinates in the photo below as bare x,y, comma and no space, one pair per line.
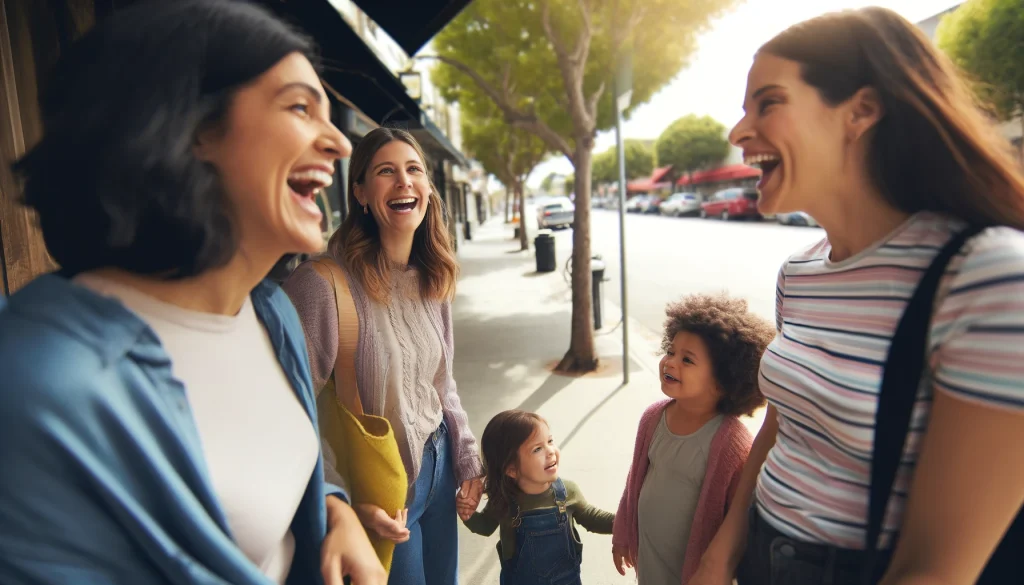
348,335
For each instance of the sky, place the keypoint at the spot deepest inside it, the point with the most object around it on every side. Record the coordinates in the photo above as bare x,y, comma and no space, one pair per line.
715,82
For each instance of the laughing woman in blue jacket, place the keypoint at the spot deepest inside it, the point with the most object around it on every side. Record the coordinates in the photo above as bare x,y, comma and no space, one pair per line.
157,419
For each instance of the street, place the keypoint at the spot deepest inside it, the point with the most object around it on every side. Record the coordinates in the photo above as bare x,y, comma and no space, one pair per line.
669,257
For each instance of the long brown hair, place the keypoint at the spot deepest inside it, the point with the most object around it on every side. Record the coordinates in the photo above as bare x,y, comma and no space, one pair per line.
934,148
499,445
356,245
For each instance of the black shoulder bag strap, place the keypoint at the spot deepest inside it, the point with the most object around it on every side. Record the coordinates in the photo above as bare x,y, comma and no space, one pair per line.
901,380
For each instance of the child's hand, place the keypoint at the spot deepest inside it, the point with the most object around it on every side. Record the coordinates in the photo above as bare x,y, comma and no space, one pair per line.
465,509
622,559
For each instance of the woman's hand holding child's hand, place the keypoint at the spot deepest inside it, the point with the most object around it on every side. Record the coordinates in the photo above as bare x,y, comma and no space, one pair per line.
468,498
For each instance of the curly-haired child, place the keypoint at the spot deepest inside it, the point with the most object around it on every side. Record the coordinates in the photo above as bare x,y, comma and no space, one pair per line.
690,449
536,509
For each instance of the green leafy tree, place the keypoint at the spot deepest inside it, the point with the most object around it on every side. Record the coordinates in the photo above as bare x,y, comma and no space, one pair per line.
985,38
547,65
639,162
605,167
570,185
545,185
510,154
692,143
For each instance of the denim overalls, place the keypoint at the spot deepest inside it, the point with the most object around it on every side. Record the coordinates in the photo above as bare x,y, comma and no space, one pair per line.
545,547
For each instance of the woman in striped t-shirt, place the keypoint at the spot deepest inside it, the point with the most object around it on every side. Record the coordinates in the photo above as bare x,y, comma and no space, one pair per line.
855,118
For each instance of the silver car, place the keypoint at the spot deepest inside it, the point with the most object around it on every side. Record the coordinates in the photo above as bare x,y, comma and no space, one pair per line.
556,212
680,204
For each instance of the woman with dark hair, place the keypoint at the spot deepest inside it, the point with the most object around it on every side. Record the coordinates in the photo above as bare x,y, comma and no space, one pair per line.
396,255
858,120
157,421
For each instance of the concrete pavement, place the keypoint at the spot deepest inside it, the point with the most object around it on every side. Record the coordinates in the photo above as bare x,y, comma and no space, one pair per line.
511,328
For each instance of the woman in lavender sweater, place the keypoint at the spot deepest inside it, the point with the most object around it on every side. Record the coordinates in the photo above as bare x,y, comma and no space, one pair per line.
397,257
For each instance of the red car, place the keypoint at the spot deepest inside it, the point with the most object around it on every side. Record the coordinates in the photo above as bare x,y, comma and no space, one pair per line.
730,203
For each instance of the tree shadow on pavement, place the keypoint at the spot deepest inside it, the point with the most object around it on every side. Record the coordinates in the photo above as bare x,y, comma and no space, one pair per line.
552,386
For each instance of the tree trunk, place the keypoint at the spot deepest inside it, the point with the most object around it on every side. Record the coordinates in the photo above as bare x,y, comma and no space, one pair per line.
1021,109
524,241
508,203
581,356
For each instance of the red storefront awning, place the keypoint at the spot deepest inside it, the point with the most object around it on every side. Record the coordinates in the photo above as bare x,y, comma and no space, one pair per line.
652,183
729,173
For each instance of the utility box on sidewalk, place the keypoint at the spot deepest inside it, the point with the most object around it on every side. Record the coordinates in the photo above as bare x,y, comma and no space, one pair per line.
597,280
544,250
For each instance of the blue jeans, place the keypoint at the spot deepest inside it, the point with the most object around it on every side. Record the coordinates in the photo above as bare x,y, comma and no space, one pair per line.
545,547
431,555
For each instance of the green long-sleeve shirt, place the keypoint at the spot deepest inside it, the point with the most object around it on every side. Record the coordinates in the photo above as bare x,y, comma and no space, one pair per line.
592,518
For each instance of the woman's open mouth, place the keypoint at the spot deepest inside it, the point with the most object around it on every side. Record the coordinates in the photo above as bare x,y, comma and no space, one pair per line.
306,185
768,163
403,204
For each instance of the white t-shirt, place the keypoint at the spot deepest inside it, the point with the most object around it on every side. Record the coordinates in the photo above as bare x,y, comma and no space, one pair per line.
258,441
824,369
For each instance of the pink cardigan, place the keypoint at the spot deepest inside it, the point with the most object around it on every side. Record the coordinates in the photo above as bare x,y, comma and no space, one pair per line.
729,449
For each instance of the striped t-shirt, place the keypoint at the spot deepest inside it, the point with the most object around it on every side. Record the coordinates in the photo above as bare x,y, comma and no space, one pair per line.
824,368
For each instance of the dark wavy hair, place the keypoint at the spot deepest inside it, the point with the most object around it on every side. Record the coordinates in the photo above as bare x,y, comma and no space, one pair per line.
114,178
735,339
934,148
356,244
499,445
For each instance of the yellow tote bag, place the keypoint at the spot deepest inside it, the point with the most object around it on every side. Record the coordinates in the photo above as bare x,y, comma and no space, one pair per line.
367,453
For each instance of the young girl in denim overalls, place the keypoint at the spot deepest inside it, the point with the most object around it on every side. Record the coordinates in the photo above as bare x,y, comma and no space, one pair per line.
536,511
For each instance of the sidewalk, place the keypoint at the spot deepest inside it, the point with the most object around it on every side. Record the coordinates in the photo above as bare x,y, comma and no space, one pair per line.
511,328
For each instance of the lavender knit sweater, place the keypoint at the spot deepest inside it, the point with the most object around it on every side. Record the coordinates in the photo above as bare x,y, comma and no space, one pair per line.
313,297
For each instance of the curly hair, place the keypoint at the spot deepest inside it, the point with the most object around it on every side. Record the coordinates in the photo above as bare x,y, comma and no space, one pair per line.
736,340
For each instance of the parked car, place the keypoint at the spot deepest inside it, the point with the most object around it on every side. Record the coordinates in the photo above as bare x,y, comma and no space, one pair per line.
634,204
555,212
651,205
797,218
732,203
680,204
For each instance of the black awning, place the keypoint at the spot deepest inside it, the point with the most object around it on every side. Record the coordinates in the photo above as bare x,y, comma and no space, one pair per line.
354,71
411,23
351,67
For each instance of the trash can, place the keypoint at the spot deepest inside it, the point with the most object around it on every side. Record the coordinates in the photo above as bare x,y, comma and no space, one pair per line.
597,279
544,250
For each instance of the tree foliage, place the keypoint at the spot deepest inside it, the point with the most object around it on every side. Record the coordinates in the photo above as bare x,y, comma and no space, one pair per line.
639,162
547,66
985,38
692,143
545,185
508,153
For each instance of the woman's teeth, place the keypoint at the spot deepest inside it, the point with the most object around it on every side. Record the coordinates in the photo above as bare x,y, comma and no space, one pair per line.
761,160
320,178
309,183
402,204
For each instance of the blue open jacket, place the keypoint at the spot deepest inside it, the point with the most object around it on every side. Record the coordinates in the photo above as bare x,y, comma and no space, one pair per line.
102,476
